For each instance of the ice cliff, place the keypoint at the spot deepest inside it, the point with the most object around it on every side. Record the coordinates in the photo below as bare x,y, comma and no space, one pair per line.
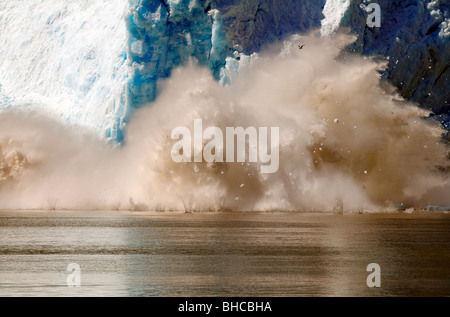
92,62
414,38
66,59
165,34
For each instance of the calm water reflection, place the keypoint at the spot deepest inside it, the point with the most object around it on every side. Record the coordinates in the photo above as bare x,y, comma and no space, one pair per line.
223,254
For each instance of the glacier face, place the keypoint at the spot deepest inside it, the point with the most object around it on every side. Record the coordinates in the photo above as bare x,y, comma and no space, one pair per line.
414,37
253,23
67,59
92,63
165,34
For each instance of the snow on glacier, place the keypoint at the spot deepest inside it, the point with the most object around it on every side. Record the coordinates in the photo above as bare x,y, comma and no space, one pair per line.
67,59
333,12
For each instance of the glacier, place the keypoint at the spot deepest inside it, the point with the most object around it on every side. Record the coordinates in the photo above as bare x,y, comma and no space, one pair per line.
414,39
91,64
166,34
67,60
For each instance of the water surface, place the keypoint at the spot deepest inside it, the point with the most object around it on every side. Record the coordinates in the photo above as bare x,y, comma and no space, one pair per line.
223,254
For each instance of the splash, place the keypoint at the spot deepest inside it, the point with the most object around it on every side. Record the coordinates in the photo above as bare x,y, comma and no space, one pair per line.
344,138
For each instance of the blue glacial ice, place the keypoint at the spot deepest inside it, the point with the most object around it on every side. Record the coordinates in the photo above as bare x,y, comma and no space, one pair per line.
165,34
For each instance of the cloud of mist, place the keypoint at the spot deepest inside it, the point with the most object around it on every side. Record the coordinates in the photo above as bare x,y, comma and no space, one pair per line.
343,136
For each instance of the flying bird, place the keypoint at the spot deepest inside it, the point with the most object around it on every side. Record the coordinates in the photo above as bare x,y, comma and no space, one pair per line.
301,47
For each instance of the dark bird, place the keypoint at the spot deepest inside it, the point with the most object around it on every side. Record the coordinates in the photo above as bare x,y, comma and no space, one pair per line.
301,47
